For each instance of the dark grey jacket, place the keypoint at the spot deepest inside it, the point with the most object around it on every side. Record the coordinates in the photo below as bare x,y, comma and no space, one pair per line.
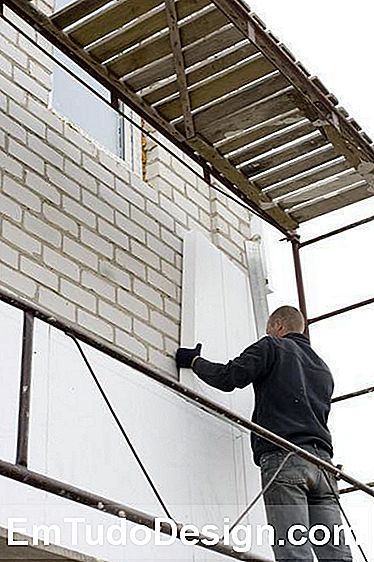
292,384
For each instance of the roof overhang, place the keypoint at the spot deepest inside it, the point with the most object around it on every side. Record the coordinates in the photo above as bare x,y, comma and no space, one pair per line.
210,77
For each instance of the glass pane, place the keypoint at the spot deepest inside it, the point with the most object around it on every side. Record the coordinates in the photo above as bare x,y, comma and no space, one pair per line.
82,107
11,320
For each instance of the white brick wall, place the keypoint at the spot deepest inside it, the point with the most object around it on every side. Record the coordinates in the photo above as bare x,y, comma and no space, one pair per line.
82,236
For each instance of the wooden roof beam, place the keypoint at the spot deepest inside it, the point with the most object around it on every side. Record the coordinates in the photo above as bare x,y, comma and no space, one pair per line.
337,128
176,47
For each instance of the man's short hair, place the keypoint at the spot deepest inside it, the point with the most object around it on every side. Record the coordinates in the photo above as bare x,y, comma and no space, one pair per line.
290,317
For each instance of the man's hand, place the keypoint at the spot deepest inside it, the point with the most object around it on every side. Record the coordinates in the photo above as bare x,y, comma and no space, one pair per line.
185,356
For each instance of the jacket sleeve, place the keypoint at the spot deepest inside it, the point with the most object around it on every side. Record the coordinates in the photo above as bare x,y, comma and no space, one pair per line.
253,363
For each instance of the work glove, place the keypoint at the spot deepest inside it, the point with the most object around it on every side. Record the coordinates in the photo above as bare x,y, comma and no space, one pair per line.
185,356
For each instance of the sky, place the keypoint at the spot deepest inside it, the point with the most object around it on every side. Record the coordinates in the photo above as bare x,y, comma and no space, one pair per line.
333,40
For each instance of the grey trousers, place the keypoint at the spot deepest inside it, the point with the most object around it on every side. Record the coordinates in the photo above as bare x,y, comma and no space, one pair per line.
302,496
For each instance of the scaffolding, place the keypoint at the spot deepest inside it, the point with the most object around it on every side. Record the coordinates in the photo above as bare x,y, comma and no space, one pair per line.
327,150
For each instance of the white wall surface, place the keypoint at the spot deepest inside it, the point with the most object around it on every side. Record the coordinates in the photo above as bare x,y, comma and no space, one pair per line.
217,311
198,462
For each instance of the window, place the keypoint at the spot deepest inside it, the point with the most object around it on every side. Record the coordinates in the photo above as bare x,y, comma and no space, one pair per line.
83,108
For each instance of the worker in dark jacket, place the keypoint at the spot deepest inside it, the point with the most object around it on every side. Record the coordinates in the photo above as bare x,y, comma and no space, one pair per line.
293,388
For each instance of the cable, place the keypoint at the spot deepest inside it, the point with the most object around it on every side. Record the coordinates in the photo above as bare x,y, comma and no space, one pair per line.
345,515
121,428
131,121
260,494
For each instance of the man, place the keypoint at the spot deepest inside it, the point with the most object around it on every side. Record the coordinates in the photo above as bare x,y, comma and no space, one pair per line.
293,388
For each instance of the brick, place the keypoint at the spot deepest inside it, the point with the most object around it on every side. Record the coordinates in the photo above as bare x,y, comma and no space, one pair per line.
39,73
7,31
170,347
194,195
58,218
97,243
98,171
48,153
31,85
10,165
162,283
8,255
129,227
9,208
115,315
230,248
238,210
80,253
42,187
98,206
63,182
143,188
173,209
112,162
65,147
145,220
170,176
132,304
57,304
47,115
130,345
108,195
203,187
26,156
129,194
163,362
12,90
79,212
245,229
115,274
145,255
79,138
20,239
145,332
27,119
196,225
162,186
172,240
205,220
161,216
114,234
225,213
78,295
17,281
180,231
98,285
164,324
129,263
160,249
149,294
183,171
172,273
3,103
12,128
22,194
14,55
39,273
220,225
95,325
237,238
77,173
42,230
173,309
187,205
61,263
